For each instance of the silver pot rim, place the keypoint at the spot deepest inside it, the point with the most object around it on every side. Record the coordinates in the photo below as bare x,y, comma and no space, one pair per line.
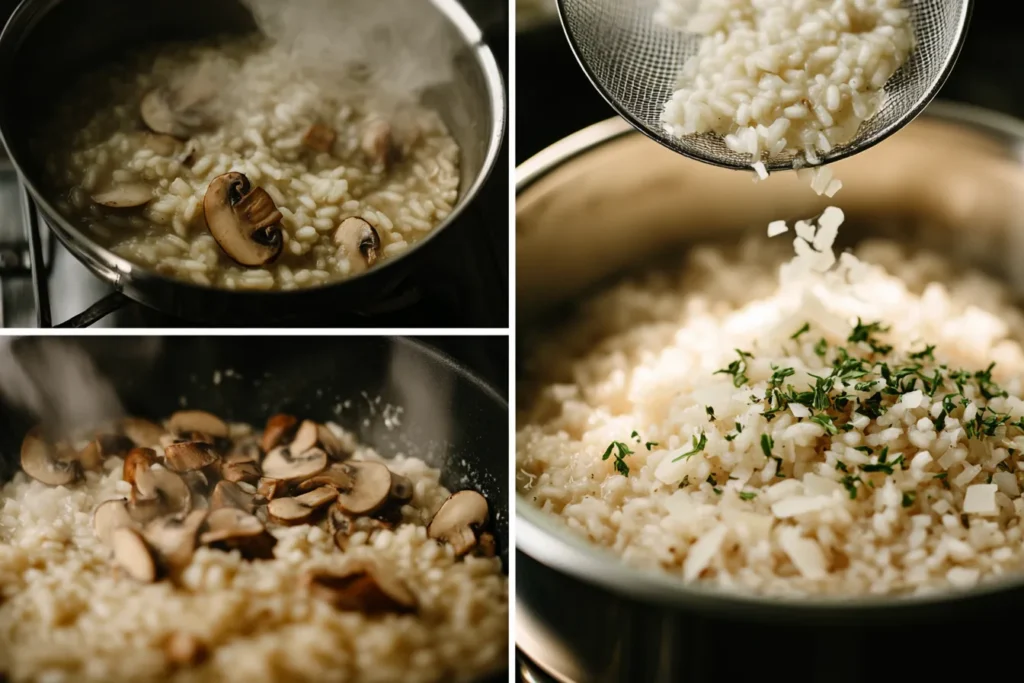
547,540
121,272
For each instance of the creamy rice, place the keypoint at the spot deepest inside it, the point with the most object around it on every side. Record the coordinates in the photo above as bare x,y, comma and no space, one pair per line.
268,107
67,615
910,494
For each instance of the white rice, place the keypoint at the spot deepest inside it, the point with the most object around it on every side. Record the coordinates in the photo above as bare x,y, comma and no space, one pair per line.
66,617
260,137
785,76
703,501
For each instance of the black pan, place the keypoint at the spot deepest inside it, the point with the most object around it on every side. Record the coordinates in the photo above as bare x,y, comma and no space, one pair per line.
450,418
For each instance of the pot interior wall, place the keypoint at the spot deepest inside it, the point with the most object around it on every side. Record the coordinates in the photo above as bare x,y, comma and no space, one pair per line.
944,184
444,415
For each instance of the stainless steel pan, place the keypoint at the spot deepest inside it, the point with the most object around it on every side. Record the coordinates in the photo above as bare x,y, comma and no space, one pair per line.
607,200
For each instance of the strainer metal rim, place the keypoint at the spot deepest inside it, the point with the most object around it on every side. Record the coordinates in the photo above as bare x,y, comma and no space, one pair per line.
967,9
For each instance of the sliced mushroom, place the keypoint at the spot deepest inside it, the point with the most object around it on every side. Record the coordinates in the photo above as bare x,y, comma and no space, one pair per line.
234,529
228,494
269,488
91,456
173,112
300,509
330,442
236,472
186,456
319,138
458,520
39,460
244,451
401,489
142,432
362,587
279,428
133,555
338,520
359,242
184,650
185,422
281,464
159,492
164,145
244,220
336,476
307,436
126,196
378,144
109,516
138,459
371,485
198,484
174,538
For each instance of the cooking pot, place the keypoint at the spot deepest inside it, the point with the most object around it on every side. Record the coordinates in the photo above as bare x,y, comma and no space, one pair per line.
607,200
46,43
448,417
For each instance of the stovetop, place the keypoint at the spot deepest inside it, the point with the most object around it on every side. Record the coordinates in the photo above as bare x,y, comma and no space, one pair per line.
463,286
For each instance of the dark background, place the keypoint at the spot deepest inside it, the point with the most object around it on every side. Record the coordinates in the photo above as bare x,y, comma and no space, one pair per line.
554,97
486,357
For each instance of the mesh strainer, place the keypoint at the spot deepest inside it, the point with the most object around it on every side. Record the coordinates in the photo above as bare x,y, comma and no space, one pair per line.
635,62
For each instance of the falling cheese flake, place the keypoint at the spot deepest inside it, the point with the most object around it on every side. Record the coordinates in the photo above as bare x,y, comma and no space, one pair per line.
776,228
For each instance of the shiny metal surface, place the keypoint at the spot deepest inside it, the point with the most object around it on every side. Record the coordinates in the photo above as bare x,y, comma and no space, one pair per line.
620,201
88,31
634,61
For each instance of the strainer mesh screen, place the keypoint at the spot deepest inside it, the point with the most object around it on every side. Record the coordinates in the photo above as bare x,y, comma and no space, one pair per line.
635,63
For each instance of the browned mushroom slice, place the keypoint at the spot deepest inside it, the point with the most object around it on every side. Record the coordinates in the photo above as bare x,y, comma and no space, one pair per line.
338,520
279,428
336,476
378,144
137,459
158,492
300,509
245,451
127,196
281,464
174,538
39,460
359,242
109,516
401,489
319,138
330,442
234,529
183,650
186,456
228,494
142,432
244,220
185,422
236,471
198,484
269,488
371,485
306,436
91,456
133,555
458,520
362,587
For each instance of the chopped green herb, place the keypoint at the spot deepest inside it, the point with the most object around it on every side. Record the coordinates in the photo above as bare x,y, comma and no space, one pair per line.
802,330
698,446
739,427
620,451
748,495
841,466
711,480
908,498
767,443
780,374
826,422
737,369
821,348
650,444
711,413
850,483
635,436
928,352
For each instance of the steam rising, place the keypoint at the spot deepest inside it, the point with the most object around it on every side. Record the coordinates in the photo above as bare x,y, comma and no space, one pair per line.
403,47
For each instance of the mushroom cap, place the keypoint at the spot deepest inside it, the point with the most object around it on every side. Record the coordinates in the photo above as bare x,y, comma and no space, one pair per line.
39,460
278,428
108,516
174,538
142,432
378,144
319,138
300,509
330,442
371,485
362,587
133,555
306,436
91,456
159,492
336,475
358,241
401,489
281,464
236,471
457,520
228,494
189,421
269,488
126,196
317,498
185,456
244,221
137,460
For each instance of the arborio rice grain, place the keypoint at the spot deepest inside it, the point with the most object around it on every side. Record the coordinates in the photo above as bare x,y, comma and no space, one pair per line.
260,134
66,616
789,431
776,76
